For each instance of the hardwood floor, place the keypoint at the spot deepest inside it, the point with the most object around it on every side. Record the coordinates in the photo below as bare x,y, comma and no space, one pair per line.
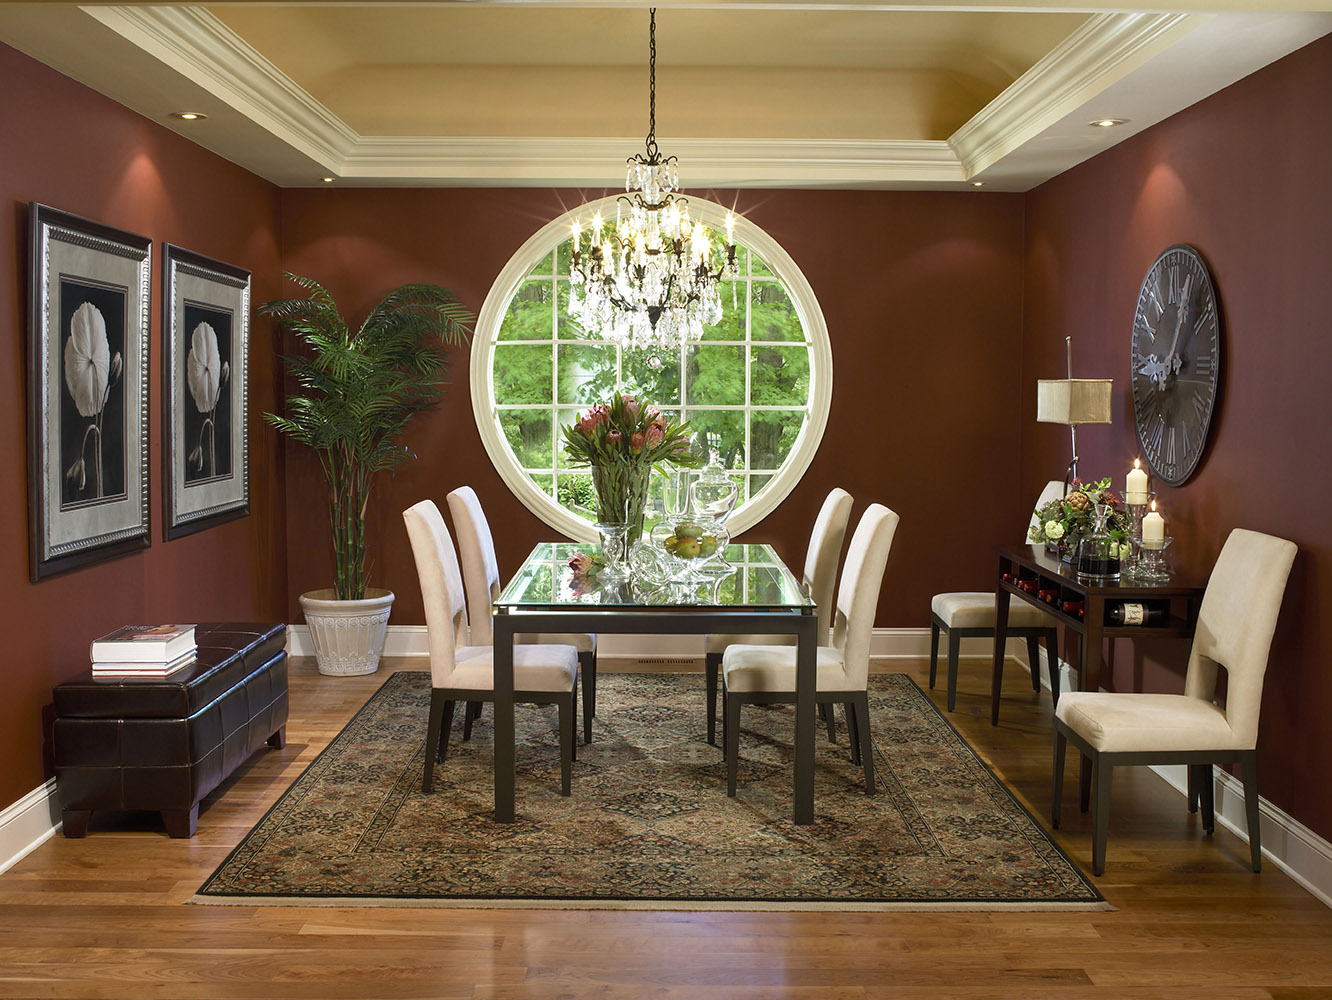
106,916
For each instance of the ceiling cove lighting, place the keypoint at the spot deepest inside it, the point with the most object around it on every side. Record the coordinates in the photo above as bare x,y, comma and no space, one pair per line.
1108,122
650,281
189,116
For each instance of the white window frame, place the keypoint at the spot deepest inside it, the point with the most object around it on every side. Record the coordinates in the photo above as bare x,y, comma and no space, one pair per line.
544,242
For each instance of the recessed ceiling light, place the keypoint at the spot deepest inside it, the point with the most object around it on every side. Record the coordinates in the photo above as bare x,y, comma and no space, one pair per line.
189,116
977,184
328,180
1108,122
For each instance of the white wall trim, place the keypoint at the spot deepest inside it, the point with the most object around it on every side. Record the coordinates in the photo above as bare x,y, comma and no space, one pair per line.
28,823
1106,48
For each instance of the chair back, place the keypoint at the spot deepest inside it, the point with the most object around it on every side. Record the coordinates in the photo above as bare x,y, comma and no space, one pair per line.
1054,489
825,548
480,568
1236,623
858,593
441,587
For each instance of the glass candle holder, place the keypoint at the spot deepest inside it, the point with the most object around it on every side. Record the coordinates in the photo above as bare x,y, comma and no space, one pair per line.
1151,564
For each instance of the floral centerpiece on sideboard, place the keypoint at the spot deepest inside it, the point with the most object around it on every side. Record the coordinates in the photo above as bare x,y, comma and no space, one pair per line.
1063,522
620,441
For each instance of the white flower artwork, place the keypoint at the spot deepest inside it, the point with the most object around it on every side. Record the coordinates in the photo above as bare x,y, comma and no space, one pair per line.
90,373
205,374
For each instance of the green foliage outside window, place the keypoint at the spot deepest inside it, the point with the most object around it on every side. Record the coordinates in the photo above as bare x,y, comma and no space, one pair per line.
748,382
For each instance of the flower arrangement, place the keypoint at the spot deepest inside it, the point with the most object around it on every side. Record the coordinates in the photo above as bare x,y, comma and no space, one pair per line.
620,441
1064,521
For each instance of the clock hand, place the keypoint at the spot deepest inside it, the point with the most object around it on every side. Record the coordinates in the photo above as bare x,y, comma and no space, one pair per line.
1172,360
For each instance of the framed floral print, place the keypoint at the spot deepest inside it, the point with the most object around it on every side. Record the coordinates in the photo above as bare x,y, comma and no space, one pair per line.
205,368
87,391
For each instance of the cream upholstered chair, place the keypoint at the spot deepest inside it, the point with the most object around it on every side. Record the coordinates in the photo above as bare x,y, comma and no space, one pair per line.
1234,631
819,578
480,570
542,674
764,674
971,614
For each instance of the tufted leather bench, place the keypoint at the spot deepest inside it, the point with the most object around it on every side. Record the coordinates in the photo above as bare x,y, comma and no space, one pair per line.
162,744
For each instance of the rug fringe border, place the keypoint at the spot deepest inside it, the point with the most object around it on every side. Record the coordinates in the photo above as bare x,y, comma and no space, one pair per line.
663,905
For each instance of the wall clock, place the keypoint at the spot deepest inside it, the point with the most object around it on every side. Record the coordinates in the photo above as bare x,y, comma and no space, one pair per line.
1175,362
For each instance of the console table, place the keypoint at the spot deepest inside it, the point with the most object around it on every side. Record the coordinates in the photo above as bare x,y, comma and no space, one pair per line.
1061,581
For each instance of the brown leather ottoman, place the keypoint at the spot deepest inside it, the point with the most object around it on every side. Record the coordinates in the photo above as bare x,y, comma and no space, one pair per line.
162,744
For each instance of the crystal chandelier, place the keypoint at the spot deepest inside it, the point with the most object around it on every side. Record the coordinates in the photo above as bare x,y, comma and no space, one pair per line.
651,281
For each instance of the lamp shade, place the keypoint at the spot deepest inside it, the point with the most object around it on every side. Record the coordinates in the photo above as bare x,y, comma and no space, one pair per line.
1073,400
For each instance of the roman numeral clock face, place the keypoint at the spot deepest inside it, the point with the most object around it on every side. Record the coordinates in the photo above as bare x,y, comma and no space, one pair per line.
1175,362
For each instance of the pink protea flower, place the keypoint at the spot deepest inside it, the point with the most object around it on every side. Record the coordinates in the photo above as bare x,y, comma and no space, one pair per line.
613,438
581,563
631,408
654,436
635,442
587,425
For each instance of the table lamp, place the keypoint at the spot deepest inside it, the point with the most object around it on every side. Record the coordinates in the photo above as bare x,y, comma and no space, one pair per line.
1073,401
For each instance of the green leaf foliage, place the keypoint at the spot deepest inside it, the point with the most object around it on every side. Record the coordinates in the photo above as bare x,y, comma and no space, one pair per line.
358,390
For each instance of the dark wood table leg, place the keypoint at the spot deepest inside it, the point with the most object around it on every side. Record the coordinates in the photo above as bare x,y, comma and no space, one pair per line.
504,734
1090,678
805,721
1001,599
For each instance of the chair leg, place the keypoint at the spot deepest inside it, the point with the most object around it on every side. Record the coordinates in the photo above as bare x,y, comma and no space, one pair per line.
1052,663
470,713
711,666
852,731
731,714
860,704
1057,786
1249,772
1206,800
1084,789
432,739
934,652
573,729
1191,771
1034,659
953,643
445,730
830,718
587,668
1102,775
568,733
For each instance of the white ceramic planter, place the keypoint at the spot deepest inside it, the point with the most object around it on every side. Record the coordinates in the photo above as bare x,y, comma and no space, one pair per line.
348,636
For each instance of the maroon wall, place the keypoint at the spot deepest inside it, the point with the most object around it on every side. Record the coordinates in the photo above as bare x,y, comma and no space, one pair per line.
1242,176
70,148
922,294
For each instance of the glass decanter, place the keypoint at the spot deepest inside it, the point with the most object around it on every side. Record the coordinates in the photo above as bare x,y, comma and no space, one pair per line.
712,497
1098,552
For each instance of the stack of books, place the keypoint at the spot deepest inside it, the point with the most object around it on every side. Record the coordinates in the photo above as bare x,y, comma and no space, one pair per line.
144,651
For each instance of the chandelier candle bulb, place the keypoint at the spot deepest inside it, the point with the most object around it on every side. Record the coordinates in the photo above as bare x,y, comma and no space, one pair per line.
1135,485
1153,529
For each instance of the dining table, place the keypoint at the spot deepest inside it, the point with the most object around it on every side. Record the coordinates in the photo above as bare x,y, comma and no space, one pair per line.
748,591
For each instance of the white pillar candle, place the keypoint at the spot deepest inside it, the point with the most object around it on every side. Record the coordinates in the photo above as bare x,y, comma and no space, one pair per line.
1153,529
1135,486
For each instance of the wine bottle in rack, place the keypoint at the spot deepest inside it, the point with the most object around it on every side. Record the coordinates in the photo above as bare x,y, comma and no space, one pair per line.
1149,614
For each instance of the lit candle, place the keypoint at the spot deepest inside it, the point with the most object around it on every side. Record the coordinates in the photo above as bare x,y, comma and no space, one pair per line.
1135,486
1153,530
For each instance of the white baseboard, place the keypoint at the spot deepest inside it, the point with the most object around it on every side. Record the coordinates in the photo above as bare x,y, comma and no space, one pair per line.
28,823
1287,843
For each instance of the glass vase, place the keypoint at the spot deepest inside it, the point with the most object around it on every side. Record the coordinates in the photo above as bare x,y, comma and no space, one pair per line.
621,490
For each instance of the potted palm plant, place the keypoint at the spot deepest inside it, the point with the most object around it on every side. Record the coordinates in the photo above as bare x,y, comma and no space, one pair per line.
357,390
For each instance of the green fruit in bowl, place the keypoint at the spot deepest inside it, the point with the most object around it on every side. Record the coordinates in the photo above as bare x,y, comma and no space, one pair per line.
707,545
688,529
687,548
669,543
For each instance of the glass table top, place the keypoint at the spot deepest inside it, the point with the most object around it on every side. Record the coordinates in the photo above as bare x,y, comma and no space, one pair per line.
757,580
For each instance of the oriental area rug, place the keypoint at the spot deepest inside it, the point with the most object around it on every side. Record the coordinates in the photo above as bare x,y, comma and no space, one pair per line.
649,824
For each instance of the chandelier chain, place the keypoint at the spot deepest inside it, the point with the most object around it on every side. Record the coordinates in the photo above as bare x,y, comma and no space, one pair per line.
652,87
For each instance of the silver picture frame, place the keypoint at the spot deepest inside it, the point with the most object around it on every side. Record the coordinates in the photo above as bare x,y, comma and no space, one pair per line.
205,391
87,391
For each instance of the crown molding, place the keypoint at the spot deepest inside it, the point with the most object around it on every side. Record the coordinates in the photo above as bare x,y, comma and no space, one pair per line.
195,43
1103,50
